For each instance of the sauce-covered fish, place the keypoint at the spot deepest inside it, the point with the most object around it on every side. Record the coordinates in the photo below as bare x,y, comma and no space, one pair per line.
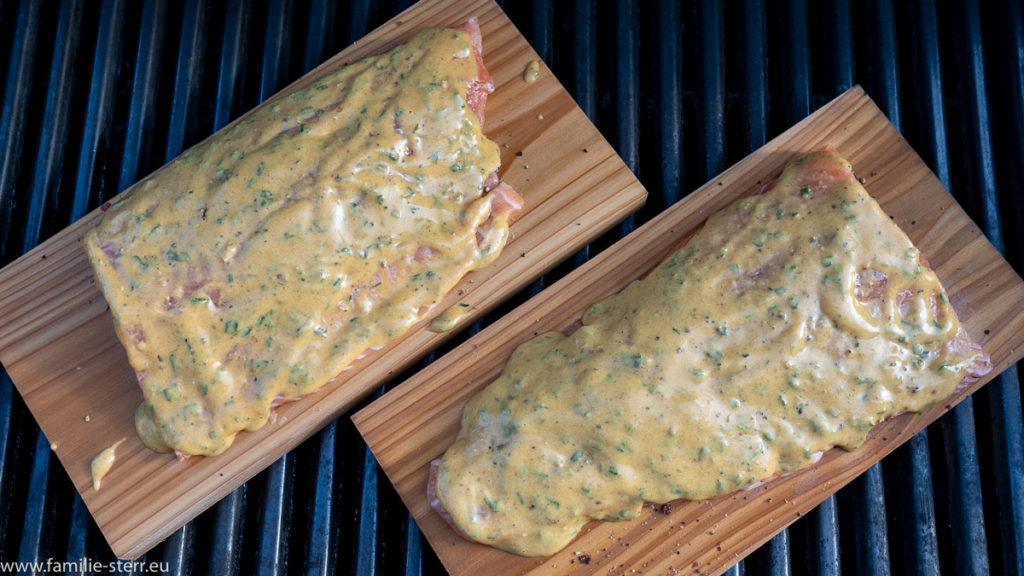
793,321
263,261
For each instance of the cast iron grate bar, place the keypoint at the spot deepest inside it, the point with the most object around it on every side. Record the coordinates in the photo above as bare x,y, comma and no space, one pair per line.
99,110
1007,96
144,87
1004,394
582,71
17,88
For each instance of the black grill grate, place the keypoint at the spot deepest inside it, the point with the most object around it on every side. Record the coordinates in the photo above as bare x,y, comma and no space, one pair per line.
97,94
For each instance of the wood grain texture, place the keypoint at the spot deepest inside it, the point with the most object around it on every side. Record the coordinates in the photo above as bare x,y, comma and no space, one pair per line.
416,421
58,344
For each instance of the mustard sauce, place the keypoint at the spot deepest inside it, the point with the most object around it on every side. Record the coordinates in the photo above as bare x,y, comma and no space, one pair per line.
266,259
102,463
450,318
531,72
792,322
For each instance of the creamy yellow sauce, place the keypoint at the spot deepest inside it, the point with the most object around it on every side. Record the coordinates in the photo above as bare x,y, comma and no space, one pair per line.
531,72
768,338
450,318
266,259
102,463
